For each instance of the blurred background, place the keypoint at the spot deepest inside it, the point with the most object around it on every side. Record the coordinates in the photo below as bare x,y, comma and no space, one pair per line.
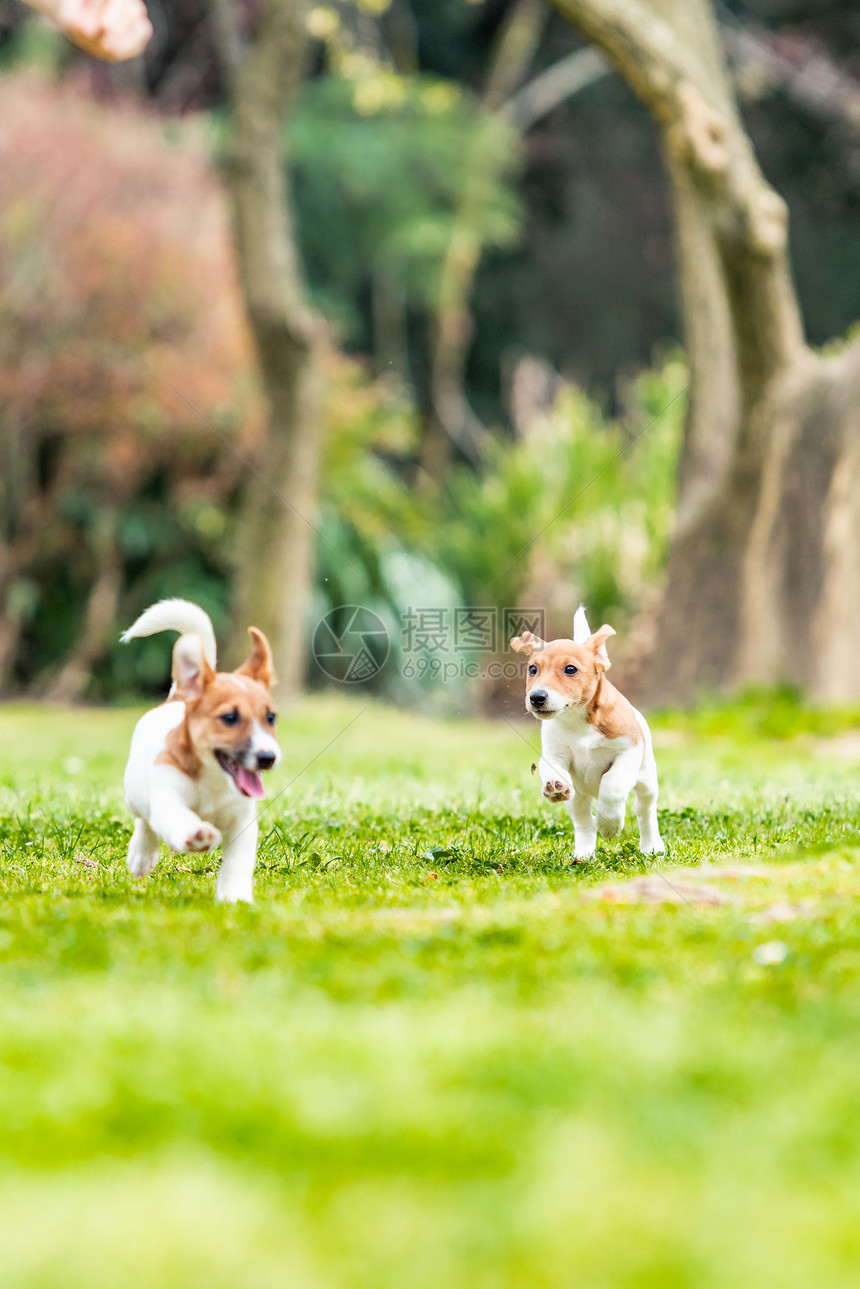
441,368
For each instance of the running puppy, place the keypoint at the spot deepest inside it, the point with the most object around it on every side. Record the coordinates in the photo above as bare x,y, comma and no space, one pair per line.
194,766
594,745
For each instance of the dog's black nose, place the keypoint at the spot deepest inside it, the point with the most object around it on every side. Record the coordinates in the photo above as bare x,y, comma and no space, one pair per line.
265,760
538,697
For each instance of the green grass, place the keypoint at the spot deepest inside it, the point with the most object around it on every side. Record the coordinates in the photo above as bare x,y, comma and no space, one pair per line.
432,1055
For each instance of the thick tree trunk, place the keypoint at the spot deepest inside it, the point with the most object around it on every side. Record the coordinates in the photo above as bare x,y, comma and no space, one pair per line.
275,558
763,582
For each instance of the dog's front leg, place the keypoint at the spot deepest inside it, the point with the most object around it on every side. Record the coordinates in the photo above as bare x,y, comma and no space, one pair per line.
182,830
556,783
584,826
173,819
142,849
615,787
236,875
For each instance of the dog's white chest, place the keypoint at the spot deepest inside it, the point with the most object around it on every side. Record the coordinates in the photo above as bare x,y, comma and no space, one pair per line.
578,747
215,797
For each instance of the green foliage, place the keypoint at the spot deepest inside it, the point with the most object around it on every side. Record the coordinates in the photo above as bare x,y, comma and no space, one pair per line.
579,509
589,500
428,1055
371,525
381,164
764,713
581,502
36,46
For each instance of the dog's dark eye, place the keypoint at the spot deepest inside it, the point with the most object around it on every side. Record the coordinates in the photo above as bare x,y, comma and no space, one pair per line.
270,718
230,718
532,670
570,670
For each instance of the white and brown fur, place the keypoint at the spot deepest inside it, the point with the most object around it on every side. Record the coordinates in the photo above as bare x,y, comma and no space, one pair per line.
595,746
194,765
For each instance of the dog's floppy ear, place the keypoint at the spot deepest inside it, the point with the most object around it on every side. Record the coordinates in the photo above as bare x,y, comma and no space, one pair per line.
597,642
258,665
191,672
528,642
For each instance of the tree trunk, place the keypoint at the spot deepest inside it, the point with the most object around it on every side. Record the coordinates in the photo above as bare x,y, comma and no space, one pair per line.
763,584
100,618
276,542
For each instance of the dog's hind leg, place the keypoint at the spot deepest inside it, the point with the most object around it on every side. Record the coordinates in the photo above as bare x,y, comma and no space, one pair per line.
584,826
142,849
615,786
647,791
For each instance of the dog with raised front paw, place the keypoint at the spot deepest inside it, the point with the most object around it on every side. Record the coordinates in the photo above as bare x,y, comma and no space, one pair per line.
595,747
194,768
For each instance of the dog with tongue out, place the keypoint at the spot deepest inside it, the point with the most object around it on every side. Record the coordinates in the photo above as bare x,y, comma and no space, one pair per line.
195,765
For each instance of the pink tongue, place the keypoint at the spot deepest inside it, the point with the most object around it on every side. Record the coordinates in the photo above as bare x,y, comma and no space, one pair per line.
250,782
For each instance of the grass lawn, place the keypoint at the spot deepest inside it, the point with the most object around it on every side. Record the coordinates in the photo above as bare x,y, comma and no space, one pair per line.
434,1054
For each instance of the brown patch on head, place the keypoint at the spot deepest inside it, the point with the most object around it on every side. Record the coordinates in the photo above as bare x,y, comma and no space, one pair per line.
574,675
561,668
223,717
221,708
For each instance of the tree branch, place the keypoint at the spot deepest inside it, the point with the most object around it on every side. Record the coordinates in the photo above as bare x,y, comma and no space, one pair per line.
689,96
641,44
275,547
814,82
266,87
225,21
731,226
547,90
513,51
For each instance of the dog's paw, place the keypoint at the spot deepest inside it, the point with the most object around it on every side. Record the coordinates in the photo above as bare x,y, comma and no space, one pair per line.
239,892
555,790
141,862
205,838
610,821
657,846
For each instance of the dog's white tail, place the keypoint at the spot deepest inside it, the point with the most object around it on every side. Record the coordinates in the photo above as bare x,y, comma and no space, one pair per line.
175,615
581,629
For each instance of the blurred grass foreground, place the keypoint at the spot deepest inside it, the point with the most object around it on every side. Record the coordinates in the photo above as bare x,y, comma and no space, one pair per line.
434,1052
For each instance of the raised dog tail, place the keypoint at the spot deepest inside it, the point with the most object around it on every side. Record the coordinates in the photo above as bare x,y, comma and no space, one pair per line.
581,629
175,615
